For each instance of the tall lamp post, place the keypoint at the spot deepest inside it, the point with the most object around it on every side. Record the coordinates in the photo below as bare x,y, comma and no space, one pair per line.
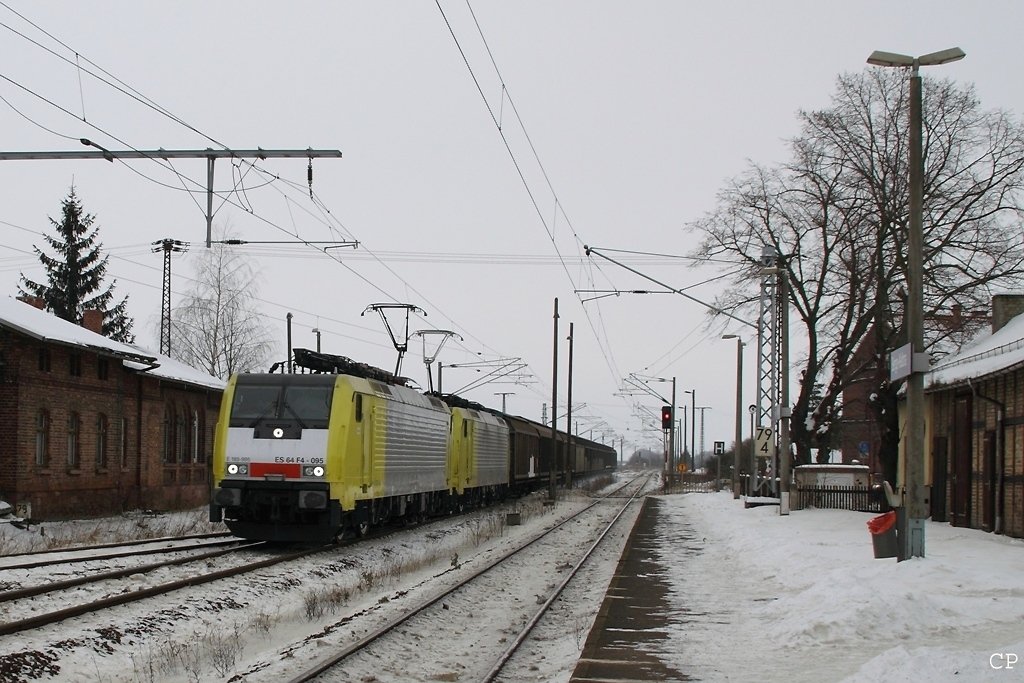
693,429
752,476
915,497
739,415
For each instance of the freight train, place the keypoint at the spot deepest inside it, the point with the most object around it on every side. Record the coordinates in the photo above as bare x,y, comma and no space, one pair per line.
306,457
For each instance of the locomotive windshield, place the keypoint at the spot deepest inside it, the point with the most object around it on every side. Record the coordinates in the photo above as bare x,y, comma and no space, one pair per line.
305,402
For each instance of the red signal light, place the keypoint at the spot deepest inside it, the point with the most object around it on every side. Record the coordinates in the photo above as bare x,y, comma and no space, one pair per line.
666,417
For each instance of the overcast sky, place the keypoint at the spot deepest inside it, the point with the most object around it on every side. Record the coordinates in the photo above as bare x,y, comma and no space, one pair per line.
638,112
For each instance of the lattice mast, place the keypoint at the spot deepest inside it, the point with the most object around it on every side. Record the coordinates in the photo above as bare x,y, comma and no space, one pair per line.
167,246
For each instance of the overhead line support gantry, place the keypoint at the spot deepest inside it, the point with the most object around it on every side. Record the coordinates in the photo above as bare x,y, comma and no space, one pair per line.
209,154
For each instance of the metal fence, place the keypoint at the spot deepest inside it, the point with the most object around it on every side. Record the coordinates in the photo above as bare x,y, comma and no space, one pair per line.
859,498
693,482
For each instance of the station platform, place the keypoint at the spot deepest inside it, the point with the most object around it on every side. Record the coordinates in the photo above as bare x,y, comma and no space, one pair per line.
633,616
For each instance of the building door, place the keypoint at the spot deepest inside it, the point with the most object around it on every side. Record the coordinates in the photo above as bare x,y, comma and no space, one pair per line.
962,458
988,480
940,479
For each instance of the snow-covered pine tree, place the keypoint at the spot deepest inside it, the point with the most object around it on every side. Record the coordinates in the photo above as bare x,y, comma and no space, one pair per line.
75,274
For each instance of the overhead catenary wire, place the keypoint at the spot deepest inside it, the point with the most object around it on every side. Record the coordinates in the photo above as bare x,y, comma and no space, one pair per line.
601,335
236,196
225,199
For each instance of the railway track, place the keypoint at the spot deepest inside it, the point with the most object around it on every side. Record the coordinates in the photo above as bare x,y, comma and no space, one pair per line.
118,544
54,586
110,551
486,602
123,598
202,628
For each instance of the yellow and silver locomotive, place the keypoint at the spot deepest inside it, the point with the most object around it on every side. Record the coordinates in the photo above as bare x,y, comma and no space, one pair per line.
306,457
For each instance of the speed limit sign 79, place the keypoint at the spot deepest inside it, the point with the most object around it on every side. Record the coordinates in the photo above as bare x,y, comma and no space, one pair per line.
764,443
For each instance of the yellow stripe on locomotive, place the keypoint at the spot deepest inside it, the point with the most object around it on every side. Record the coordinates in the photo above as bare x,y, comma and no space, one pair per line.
303,457
291,464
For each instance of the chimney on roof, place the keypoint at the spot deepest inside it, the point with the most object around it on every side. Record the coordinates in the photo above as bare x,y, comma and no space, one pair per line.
36,301
92,320
1004,308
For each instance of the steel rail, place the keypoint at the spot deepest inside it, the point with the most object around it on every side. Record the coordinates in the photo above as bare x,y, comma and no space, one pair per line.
346,652
125,598
116,544
528,628
114,556
42,589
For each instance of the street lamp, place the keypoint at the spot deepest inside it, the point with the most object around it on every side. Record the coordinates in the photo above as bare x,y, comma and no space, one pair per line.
915,497
693,429
739,416
681,448
752,475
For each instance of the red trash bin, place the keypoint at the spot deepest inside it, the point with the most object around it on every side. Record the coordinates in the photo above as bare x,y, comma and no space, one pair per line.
883,535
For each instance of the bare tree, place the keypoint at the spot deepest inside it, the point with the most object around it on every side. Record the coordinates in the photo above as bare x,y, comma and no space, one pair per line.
216,326
837,213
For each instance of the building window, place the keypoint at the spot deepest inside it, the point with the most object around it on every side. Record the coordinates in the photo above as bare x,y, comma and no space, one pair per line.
102,368
101,441
44,360
75,365
181,438
196,450
74,457
122,447
167,452
42,438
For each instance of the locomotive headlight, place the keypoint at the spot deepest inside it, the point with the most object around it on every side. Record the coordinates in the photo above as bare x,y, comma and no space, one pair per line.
234,468
318,471
311,471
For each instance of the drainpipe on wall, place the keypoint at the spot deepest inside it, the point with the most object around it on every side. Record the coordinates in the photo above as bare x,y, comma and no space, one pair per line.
138,441
1000,457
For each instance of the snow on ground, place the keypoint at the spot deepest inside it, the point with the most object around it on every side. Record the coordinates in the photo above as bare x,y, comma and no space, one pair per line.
754,596
801,598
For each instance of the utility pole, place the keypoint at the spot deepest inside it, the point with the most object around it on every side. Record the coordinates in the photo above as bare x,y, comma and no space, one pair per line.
568,418
167,246
682,443
784,409
503,394
739,415
693,433
767,400
701,409
911,518
288,327
210,155
672,439
554,410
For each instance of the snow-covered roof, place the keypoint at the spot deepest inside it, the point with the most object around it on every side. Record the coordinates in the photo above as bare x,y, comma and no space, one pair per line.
994,353
38,324
171,369
44,326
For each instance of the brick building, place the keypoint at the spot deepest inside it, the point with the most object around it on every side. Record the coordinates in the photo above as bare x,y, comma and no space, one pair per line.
975,428
90,426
